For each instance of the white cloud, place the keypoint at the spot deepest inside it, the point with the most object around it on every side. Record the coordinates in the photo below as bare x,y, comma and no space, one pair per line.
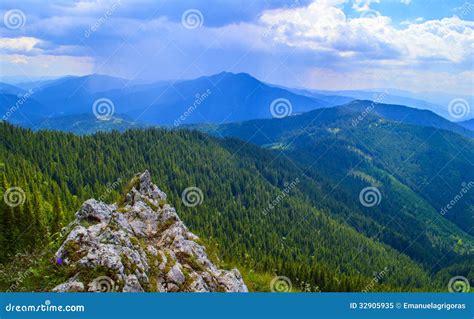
323,27
363,5
16,59
288,46
18,44
450,39
45,65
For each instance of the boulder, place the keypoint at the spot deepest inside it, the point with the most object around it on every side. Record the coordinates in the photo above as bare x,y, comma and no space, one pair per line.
138,245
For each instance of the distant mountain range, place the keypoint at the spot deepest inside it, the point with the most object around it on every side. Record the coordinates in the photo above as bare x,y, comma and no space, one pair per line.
435,102
220,98
407,115
224,97
469,124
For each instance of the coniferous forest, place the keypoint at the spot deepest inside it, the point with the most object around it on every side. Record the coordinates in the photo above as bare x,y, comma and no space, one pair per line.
305,236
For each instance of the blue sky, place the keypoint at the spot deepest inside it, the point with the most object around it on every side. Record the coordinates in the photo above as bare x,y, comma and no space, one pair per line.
415,45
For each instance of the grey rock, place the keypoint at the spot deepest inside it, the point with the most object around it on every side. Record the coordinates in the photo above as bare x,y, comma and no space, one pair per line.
143,245
232,280
132,284
147,188
94,211
175,275
152,250
72,285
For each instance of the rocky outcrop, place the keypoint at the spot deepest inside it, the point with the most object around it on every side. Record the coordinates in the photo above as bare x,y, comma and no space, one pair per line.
139,244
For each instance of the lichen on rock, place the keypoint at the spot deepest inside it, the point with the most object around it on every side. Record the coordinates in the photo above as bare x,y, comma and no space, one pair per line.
139,244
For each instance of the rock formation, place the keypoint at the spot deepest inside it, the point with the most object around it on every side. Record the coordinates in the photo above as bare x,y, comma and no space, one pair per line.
136,245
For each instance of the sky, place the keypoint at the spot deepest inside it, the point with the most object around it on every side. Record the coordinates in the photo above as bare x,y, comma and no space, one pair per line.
414,45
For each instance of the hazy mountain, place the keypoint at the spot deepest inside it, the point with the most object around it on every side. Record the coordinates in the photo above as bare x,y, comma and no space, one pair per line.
391,96
10,89
220,98
41,83
75,95
21,108
329,97
401,113
441,99
224,97
469,124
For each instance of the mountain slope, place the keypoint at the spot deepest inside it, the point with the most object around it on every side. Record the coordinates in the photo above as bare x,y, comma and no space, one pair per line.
21,109
224,97
407,115
236,213
75,95
10,89
397,97
418,170
469,124
328,97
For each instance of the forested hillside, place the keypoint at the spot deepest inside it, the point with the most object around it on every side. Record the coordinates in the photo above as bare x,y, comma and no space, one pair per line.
417,171
430,164
258,212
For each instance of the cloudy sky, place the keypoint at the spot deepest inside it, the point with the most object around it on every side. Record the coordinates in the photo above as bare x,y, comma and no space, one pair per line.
417,45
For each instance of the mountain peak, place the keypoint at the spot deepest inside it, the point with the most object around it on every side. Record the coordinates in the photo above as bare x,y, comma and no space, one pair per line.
240,75
146,188
138,244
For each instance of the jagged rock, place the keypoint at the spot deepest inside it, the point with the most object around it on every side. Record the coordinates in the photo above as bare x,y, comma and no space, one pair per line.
138,245
132,284
175,275
93,210
72,285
